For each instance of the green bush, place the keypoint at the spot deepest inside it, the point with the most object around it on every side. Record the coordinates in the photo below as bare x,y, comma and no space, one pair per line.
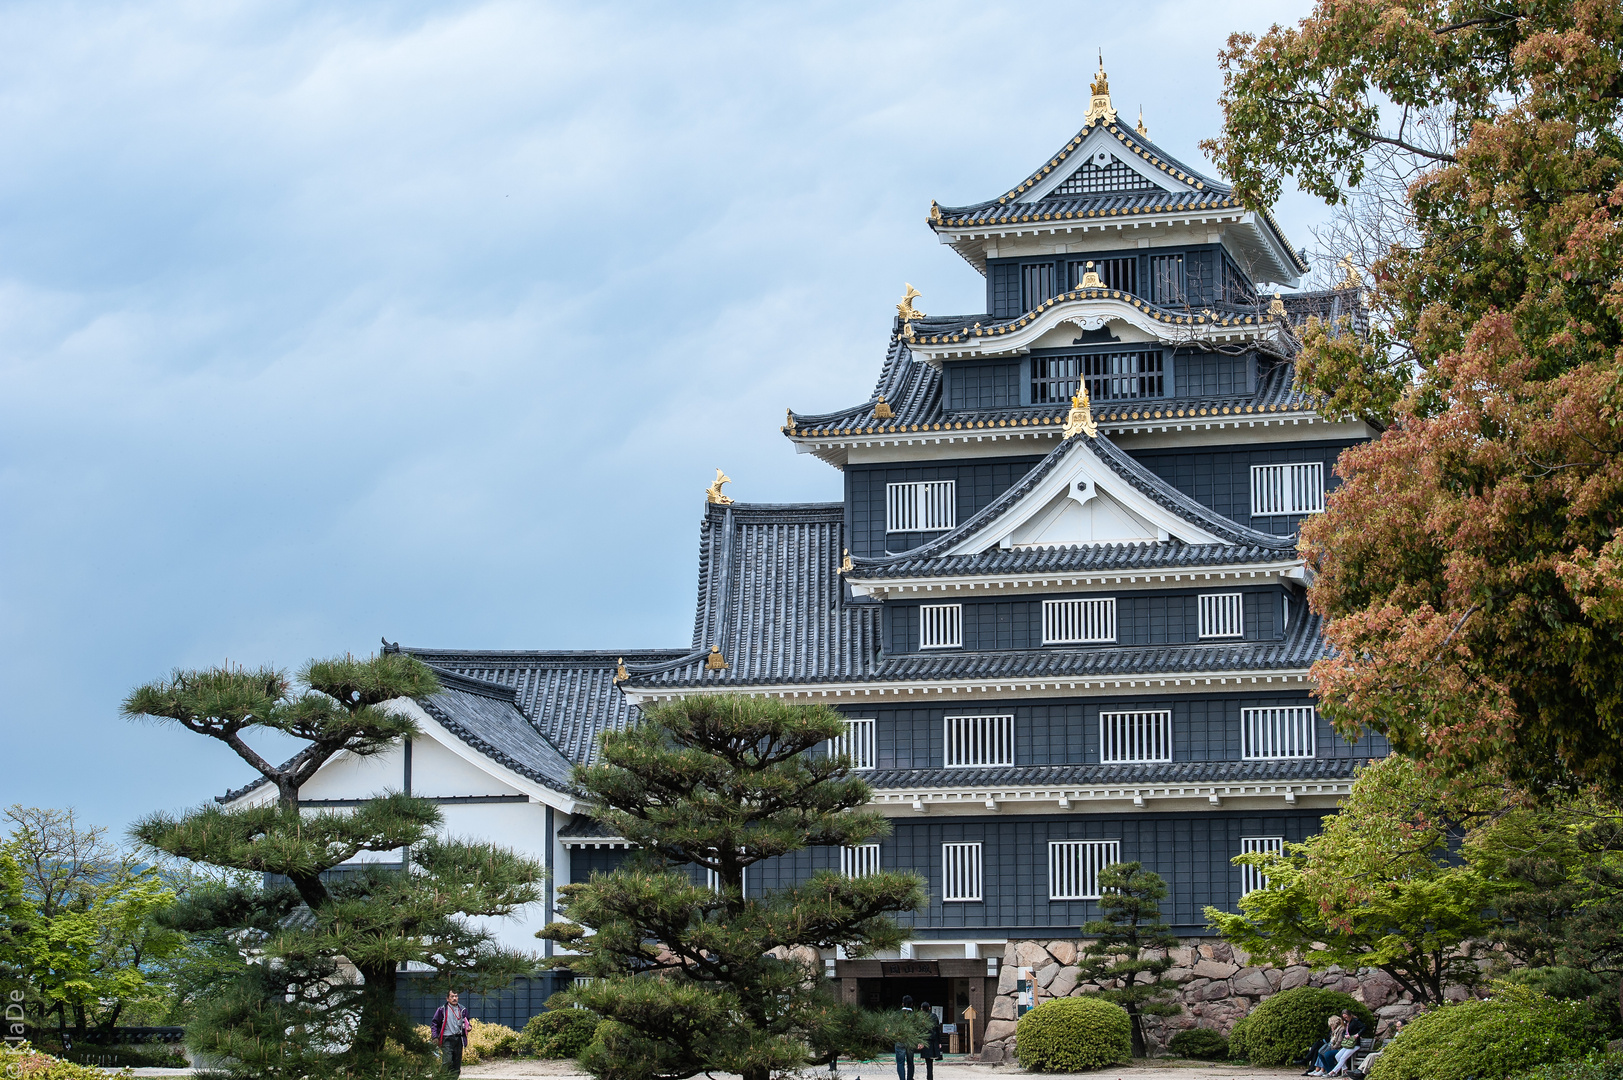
1593,1067
1072,1034
1572,984
1514,1030
1202,1043
558,1033
1286,1026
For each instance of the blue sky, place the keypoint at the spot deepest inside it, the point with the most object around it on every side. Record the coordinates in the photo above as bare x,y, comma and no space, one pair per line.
327,322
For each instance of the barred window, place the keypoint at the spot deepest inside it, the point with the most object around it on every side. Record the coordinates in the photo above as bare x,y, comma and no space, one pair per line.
1036,284
1090,179
1074,865
979,741
712,880
941,626
859,861
1287,489
1222,615
1287,732
1135,736
1166,279
1079,622
856,742
921,506
1250,877
1119,274
1118,376
960,872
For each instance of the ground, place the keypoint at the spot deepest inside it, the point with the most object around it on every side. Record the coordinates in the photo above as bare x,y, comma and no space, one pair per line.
1161,1069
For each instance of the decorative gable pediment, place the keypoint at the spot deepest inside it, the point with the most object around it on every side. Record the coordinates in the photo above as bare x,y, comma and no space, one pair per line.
1081,514
1102,164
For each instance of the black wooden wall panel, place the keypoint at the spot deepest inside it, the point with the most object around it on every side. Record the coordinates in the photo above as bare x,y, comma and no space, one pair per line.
983,386
1211,375
979,482
1221,479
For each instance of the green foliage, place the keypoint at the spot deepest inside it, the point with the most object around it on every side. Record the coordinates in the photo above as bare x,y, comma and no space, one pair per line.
1131,946
1287,1025
1593,1067
1514,1030
558,1033
23,1062
1376,887
1073,1035
293,1015
688,978
1203,1044
1566,983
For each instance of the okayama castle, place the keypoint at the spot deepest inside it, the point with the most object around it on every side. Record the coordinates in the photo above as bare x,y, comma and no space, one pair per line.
1061,602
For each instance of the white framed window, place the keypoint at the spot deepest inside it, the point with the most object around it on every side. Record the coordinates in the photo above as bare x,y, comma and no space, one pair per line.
712,880
979,742
1286,732
1287,489
1074,865
1135,736
1222,615
1250,877
941,626
921,506
960,872
857,742
859,861
1079,622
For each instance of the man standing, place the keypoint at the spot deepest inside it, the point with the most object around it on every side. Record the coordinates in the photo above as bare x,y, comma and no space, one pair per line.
904,1051
930,1048
449,1029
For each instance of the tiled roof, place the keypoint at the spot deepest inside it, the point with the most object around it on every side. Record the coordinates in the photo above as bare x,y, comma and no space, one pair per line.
1094,205
1071,559
569,697
1329,305
487,718
1175,772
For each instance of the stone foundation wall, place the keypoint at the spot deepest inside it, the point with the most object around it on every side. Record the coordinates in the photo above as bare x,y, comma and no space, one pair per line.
1218,985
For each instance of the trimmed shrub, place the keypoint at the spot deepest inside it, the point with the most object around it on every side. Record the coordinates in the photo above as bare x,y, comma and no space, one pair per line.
1204,1044
1512,1031
1286,1026
1569,983
558,1033
485,1041
1593,1067
22,1061
1073,1034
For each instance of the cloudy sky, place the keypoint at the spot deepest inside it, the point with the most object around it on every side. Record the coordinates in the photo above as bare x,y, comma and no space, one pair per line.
328,322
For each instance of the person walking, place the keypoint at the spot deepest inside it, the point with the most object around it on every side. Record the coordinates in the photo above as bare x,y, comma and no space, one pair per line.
930,1048
449,1029
904,1051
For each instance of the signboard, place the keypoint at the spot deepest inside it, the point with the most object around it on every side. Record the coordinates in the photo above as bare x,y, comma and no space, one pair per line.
910,969
949,1029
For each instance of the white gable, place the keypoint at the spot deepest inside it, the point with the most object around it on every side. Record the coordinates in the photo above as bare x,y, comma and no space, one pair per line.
1083,501
1102,150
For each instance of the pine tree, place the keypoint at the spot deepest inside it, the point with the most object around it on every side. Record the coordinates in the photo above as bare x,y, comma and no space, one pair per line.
1129,928
692,977
302,1012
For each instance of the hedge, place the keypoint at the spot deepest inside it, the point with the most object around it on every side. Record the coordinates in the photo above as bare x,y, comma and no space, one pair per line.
1202,1043
1515,1030
558,1033
1073,1034
1286,1026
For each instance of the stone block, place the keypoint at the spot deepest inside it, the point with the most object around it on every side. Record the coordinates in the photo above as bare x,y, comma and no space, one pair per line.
1251,982
1006,978
1180,974
1378,989
1031,954
1216,990
1045,974
1455,994
992,1054
1395,1012
1063,983
1214,969
999,1029
1185,956
1003,1008
1349,985
1294,976
1063,951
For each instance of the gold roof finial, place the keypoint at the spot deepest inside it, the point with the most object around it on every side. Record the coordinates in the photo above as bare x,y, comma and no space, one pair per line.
905,310
1276,307
1080,422
882,411
935,212
845,567
1090,279
620,673
1099,107
715,661
713,495
1349,274
789,417
1143,132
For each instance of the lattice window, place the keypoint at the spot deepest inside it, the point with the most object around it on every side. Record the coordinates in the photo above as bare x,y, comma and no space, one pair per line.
859,861
1119,273
1036,284
921,506
1166,279
979,742
1079,622
960,872
712,880
941,626
1074,865
1090,179
1251,877
1222,615
1135,736
1287,489
1110,376
857,742
1268,734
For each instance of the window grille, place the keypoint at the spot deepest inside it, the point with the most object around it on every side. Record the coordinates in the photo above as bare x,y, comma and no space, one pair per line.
921,506
1135,736
1079,622
1222,615
1036,284
712,880
1287,489
859,861
1166,279
1074,865
1110,376
979,741
1277,733
1236,289
941,626
1090,179
1251,877
857,742
960,872
1115,273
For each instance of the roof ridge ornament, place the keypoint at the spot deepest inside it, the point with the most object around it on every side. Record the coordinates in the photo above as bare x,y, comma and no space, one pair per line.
620,673
935,212
715,661
1090,280
1080,422
713,495
1276,307
1099,107
882,411
1143,132
845,567
905,310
